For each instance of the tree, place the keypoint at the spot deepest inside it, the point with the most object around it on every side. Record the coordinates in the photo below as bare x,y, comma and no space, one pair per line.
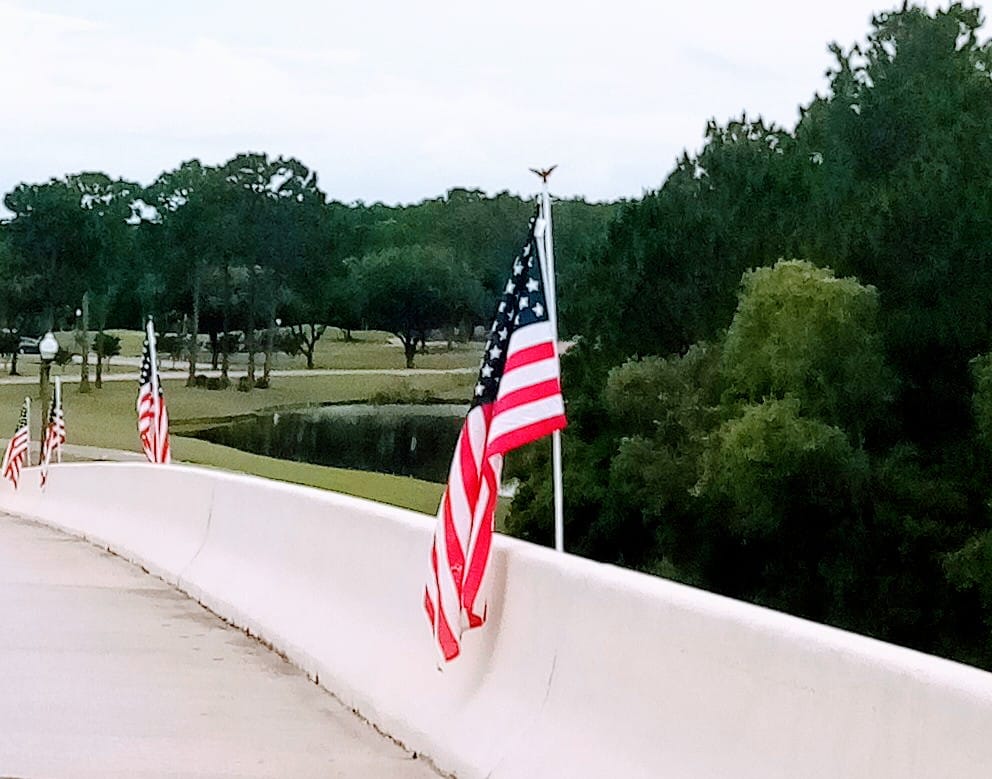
412,291
790,490
668,272
186,203
105,346
801,332
902,145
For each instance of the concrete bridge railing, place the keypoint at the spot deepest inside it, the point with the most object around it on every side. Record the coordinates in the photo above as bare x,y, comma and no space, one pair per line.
585,670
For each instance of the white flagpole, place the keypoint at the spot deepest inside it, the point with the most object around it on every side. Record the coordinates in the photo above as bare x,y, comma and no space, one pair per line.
27,416
551,296
58,409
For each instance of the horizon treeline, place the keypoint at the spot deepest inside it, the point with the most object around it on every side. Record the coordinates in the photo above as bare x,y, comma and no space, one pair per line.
228,250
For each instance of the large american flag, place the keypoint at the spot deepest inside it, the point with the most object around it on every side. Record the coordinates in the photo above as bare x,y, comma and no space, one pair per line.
54,436
15,456
517,400
153,419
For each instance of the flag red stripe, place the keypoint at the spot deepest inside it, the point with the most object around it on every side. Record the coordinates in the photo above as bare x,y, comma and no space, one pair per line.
428,605
524,435
534,392
445,637
452,543
532,354
480,553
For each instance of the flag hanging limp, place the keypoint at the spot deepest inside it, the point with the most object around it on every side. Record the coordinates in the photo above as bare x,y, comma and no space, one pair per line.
54,437
15,456
153,418
517,399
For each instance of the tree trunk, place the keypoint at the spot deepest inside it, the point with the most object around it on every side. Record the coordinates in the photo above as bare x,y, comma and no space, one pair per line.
13,364
214,350
225,364
99,362
194,343
250,338
269,341
84,346
308,343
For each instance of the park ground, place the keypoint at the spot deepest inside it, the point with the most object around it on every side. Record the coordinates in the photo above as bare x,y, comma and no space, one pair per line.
371,366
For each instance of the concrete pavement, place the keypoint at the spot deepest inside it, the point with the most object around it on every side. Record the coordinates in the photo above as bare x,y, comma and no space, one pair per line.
106,671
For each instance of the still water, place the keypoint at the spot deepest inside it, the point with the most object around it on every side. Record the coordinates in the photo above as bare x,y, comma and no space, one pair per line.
409,440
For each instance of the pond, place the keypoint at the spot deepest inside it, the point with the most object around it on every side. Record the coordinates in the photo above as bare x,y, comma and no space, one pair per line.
408,440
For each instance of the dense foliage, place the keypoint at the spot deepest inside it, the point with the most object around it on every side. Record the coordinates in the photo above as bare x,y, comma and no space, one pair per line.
813,435
228,250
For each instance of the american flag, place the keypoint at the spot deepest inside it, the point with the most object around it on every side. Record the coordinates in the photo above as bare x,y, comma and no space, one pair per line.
54,435
153,419
517,400
15,456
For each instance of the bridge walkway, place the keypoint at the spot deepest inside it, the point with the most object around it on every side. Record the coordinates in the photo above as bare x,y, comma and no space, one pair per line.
106,671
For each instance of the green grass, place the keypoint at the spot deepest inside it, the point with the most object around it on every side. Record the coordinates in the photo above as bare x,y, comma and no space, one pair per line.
106,418
369,349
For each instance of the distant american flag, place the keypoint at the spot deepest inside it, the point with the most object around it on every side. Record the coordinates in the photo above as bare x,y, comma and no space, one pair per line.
153,419
517,400
15,456
54,436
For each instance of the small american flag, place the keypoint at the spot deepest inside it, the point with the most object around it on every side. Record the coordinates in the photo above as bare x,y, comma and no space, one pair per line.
517,400
54,436
15,456
153,419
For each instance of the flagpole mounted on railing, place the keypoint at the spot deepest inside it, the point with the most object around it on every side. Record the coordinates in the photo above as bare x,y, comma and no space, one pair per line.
152,353
551,295
58,406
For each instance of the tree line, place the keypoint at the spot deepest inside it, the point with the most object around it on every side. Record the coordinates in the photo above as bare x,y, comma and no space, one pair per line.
253,254
783,388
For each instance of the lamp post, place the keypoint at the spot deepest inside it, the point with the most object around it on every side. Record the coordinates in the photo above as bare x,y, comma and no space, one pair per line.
83,341
48,347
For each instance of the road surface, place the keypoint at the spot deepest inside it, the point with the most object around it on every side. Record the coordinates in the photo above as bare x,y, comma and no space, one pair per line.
106,672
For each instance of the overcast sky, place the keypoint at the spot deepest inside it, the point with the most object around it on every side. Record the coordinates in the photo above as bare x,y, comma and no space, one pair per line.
399,101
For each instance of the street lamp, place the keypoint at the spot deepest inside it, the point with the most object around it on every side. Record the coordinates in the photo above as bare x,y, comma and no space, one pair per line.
48,347
83,341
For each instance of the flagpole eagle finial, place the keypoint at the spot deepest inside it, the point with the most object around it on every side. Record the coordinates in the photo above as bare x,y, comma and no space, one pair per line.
543,173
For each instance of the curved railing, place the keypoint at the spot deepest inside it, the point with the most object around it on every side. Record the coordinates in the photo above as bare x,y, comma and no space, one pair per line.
583,670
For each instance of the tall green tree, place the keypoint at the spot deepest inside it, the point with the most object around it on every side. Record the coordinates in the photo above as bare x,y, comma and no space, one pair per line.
411,291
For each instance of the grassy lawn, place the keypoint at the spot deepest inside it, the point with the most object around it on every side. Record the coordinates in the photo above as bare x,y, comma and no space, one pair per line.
106,418
369,349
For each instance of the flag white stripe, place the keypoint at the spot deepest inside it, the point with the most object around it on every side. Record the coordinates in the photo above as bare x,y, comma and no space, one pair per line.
461,511
534,334
527,376
526,414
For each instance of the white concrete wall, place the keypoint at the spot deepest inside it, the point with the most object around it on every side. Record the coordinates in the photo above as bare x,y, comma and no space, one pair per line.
585,670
